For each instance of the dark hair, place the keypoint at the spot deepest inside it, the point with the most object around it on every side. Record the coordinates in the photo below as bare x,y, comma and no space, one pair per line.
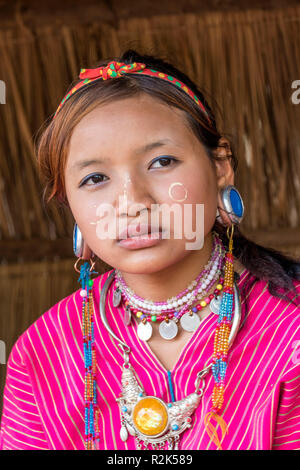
264,263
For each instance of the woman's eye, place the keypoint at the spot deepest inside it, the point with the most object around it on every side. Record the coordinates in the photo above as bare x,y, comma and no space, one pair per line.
163,161
93,180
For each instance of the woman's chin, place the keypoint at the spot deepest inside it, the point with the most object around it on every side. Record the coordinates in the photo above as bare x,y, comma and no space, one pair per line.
147,261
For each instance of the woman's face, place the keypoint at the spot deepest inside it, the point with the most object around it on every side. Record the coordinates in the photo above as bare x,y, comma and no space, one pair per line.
138,158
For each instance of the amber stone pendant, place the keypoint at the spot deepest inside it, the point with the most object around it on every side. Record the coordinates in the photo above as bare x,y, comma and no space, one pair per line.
150,416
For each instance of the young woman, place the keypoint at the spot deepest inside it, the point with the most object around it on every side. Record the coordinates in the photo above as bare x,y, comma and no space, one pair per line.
190,341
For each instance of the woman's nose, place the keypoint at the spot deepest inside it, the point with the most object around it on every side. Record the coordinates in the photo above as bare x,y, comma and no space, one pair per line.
134,196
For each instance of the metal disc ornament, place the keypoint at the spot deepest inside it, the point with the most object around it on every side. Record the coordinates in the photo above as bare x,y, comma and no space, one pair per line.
190,322
215,304
144,331
127,316
117,297
168,329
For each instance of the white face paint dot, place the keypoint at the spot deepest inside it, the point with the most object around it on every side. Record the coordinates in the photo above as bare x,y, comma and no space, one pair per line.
178,192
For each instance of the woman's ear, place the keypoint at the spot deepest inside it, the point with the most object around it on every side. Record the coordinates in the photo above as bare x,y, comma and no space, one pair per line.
224,174
86,252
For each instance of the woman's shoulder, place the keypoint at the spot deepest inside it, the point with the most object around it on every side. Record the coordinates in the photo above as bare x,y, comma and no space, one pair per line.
61,320
270,324
261,292
267,312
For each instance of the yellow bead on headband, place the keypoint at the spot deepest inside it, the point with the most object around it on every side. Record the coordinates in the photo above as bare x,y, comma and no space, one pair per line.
116,69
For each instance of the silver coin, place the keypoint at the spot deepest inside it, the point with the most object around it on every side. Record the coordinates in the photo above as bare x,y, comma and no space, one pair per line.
215,304
190,322
168,330
144,331
117,296
127,316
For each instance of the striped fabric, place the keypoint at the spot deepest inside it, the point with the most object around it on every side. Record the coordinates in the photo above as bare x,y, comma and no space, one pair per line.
43,397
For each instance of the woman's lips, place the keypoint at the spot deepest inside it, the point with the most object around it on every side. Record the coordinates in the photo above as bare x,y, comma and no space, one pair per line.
140,236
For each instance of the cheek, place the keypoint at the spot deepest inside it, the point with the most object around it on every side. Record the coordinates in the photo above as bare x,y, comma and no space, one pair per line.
84,206
196,185
204,191
189,190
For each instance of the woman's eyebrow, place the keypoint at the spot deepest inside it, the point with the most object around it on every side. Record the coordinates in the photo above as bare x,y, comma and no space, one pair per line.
84,163
143,149
151,145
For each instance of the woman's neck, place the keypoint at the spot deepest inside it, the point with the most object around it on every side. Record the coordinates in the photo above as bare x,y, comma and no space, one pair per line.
167,283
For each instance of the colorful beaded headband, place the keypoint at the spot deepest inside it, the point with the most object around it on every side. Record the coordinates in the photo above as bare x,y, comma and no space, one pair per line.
116,69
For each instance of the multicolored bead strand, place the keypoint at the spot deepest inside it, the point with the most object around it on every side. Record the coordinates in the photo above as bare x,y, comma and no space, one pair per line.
219,362
196,309
90,391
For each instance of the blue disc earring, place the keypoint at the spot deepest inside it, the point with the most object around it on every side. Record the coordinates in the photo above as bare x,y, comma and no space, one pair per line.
80,248
233,203
77,241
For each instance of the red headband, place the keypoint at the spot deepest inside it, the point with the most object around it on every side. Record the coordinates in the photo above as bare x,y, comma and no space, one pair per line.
117,69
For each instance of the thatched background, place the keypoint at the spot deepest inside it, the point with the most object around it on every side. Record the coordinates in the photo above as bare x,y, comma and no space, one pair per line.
246,60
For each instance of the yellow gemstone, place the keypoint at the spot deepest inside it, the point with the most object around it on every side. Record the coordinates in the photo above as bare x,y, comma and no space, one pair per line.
150,416
139,314
219,286
203,303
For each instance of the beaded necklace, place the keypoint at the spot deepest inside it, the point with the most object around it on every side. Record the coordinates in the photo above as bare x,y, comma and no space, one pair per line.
153,318
187,317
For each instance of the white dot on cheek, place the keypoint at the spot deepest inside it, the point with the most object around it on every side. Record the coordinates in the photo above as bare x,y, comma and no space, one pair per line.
178,192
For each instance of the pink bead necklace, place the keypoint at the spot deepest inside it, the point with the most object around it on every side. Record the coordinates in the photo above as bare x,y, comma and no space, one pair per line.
197,308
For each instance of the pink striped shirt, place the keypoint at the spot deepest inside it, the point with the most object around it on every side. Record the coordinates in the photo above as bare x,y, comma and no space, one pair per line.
44,392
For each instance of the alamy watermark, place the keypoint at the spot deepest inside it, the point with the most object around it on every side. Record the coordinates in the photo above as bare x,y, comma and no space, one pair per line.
2,352
2,92
174,221
295,97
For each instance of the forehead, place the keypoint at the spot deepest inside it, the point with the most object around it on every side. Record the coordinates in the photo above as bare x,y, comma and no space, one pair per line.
129,122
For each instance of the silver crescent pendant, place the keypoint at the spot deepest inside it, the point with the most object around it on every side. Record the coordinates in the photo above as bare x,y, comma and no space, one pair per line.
190,322
215,304
117,296
144,331
168,330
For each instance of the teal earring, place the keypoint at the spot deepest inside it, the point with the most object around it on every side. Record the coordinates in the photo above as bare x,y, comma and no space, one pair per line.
77,241
81,250
233,205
